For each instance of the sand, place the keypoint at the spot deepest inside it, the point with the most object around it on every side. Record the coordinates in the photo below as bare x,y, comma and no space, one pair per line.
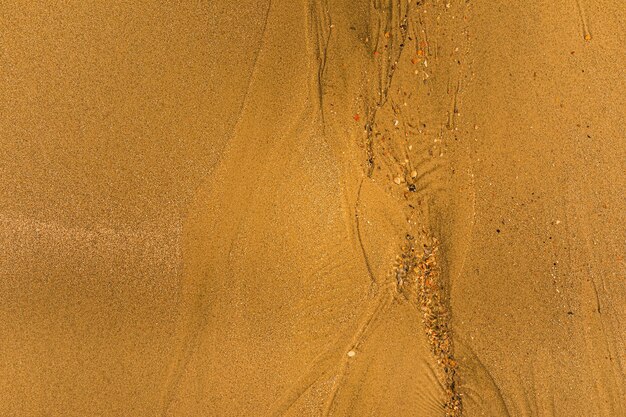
323,208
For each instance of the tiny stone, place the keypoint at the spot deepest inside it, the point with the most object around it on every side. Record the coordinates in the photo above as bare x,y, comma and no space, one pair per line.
413,174
398,180
351,354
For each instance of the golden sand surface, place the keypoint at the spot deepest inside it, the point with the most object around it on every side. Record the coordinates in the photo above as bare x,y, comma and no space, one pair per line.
313,208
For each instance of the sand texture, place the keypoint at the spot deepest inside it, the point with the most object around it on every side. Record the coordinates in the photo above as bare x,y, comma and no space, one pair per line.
321,208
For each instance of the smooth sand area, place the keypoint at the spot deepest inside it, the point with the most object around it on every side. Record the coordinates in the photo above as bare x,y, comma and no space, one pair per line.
313,208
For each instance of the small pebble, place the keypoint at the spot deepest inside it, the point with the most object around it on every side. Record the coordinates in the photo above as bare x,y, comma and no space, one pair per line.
398,180
351,354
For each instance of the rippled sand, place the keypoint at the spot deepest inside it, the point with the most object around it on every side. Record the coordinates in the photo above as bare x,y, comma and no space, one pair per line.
322,208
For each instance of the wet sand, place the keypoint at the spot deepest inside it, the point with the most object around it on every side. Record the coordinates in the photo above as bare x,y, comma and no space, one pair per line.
322,208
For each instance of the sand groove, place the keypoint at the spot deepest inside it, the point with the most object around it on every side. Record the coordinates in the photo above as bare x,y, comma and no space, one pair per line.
432,301
416,167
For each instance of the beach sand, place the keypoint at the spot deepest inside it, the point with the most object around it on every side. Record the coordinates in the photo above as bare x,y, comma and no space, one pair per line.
321,208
